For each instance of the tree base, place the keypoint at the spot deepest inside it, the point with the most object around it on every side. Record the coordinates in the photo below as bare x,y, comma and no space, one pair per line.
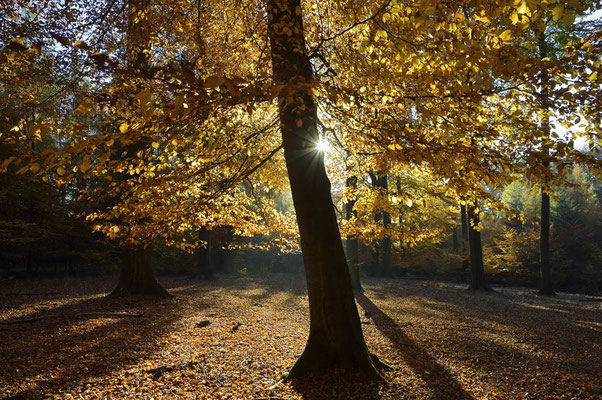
482,287
156,291
205,276
313,360
546,292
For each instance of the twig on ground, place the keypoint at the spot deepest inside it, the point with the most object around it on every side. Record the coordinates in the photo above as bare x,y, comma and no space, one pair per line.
27,320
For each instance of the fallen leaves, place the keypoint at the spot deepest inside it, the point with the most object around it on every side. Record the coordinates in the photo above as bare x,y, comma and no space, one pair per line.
441,341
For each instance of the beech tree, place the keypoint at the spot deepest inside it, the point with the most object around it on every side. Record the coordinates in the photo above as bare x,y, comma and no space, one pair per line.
335,335
423,87
136,275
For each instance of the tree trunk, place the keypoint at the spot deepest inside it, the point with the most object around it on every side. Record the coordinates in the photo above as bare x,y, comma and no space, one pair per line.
477,272
375,265
136,275
335,335
545,285
387,264
204,257
352,243
465,243
545,272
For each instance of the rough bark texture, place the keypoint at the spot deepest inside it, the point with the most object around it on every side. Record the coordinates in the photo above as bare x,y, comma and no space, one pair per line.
352,243
136,274
477,272
335,335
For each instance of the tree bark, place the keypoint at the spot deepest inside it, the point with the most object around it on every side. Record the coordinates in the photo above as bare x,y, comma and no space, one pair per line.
386,264
465,243
545,273
204,257
352,242
136,274
477,271
335,335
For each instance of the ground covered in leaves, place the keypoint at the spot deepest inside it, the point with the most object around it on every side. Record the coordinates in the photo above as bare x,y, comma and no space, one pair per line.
234,338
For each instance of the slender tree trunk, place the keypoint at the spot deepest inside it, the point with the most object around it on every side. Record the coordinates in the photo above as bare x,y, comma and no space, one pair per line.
136,274
465,242
477,271
205,257
376,265
545,274
335,335
387,264
352,242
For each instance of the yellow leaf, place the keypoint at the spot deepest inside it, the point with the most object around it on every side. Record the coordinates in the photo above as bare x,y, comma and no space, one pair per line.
144,96
408,202
213,82
514,18
506,36
85,107
155,145
85,166
60,171
523,9
557,12
81,45
178,102
568,18
6,162
123,128
593,77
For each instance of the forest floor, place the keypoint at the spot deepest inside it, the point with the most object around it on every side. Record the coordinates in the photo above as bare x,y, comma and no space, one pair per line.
62,338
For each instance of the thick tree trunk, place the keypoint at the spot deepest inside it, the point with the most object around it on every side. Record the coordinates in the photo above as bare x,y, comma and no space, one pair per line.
335,335
465,242
352,243
545,272
477,271
136,274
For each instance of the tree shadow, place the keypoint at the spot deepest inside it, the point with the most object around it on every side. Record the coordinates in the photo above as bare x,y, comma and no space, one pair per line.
500,307
334,384
513,309
59,354
440,380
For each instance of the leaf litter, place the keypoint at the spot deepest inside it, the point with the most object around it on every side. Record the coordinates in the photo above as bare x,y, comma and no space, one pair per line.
235,338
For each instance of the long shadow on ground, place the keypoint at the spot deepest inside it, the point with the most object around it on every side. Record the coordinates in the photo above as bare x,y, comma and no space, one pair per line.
441,382
75,348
